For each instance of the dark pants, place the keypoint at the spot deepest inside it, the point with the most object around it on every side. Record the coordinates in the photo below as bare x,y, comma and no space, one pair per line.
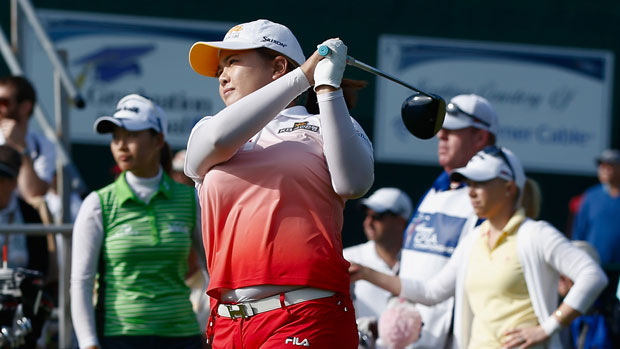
610,306
151,342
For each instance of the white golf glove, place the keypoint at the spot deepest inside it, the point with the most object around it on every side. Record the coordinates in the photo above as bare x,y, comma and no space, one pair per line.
330,69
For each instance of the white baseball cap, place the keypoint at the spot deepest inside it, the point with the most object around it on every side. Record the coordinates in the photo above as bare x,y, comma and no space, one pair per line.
470,111
204,55
389,199
489,163
134,113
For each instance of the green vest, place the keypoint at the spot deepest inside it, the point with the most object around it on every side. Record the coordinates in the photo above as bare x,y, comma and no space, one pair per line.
143,261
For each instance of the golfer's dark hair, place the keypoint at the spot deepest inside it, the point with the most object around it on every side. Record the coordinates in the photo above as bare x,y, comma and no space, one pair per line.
24,91
10,162
269,54
165,155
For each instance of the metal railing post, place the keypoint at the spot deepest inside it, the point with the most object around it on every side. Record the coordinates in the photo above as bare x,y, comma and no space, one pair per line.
14,25
64,299
64,190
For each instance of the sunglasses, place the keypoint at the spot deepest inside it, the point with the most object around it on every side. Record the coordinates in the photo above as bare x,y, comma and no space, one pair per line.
5,102
380,216
454,109
497,152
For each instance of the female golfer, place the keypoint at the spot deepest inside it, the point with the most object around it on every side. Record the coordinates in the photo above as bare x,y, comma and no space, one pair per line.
504,275
135,234
272,181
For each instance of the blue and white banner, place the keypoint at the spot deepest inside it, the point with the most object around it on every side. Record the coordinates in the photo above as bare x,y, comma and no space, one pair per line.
110,56
554,105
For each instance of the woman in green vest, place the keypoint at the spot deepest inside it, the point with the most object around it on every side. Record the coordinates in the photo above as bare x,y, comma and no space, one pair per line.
135,236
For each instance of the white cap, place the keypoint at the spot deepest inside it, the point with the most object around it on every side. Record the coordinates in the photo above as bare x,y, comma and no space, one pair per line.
204,56
134,113
489,163
389,199
473,105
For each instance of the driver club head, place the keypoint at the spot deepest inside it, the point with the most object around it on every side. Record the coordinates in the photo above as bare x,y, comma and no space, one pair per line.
423,115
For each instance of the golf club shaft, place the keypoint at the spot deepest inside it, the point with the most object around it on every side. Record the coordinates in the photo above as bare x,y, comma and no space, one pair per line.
363,66
324,51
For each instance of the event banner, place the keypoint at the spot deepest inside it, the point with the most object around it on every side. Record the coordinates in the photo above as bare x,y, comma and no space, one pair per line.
110,56
554,104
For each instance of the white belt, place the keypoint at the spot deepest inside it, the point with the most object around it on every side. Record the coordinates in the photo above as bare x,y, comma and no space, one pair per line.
247,309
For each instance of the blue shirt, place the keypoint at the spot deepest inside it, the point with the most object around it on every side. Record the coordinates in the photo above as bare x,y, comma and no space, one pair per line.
598,222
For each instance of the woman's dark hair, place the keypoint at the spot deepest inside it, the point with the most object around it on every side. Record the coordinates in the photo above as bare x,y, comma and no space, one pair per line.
270,54
165,156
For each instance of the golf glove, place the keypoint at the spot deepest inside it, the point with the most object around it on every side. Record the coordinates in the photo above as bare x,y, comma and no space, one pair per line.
330,69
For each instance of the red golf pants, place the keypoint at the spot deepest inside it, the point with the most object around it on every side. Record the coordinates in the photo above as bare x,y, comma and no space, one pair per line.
320,323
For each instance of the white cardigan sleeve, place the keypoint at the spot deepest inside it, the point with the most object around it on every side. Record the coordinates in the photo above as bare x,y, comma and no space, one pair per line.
86,246
216,139
443,285
589,279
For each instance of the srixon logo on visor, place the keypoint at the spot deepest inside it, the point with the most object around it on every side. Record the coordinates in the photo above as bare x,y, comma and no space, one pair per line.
277,42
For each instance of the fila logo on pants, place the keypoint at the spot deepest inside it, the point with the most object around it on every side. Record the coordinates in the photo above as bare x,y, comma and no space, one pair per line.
295,341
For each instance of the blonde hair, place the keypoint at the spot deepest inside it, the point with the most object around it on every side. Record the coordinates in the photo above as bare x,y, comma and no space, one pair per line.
531,198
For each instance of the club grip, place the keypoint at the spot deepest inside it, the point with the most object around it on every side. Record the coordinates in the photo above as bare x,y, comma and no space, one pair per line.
324,50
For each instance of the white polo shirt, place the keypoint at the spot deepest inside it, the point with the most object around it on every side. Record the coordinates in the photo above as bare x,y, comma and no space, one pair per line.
368,299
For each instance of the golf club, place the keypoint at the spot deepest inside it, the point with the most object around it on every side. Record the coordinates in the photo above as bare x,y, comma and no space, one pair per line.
422,113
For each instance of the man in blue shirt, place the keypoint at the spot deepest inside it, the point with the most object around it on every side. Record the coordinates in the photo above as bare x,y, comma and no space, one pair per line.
597,222
597,218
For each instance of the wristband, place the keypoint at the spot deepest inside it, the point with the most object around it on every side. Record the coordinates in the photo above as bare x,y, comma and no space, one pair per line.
551,325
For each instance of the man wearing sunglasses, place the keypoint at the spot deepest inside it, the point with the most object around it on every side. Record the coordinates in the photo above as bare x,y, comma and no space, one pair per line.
17,101
387,212
444,214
